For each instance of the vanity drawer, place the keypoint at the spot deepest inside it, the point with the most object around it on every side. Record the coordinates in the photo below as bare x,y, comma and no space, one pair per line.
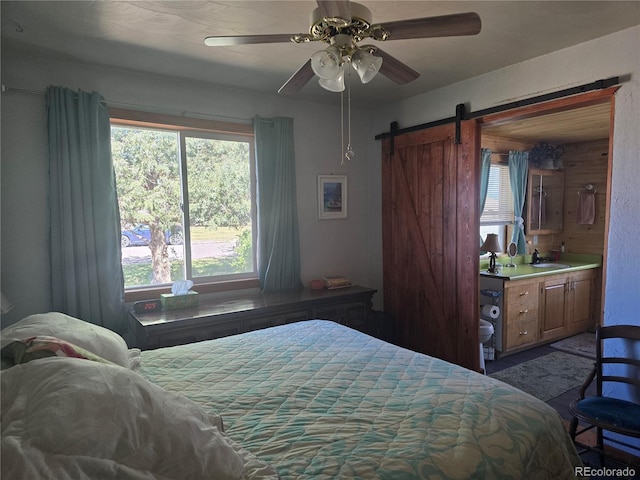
521,302
522,333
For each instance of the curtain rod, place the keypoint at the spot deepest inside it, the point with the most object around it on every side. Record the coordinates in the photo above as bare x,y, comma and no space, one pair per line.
33,92
108,103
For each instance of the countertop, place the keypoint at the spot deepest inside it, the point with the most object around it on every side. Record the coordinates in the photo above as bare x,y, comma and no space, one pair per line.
524,269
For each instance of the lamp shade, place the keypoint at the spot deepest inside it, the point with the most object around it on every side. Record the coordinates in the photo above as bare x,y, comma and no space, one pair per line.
335,84
491,243
326,63
366,64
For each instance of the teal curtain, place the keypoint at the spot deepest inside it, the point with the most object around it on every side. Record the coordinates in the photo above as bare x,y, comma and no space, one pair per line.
518,170
278,239
485,155
86,273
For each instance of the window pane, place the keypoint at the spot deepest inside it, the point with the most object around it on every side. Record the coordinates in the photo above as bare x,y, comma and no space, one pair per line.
147,170
499,230
498,206
220,207
187,204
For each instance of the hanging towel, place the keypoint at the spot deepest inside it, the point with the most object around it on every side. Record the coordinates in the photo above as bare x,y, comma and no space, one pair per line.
586,209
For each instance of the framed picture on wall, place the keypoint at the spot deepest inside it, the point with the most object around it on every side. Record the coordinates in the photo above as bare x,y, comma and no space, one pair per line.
332,196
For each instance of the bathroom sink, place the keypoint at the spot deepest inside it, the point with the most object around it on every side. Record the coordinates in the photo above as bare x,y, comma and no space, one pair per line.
550,265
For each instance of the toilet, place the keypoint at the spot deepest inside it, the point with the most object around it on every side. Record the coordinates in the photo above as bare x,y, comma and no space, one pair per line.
486,330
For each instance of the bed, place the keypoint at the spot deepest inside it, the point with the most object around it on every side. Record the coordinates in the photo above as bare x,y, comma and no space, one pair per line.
317,400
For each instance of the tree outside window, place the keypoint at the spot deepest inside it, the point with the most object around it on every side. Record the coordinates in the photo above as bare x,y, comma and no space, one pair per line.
187,207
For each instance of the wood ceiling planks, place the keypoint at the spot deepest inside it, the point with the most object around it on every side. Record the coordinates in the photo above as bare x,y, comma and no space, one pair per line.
569,126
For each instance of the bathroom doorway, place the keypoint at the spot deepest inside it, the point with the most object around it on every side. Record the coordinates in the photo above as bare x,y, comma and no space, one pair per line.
582,126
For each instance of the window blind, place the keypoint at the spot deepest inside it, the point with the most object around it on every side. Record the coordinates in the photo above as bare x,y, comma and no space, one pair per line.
498,207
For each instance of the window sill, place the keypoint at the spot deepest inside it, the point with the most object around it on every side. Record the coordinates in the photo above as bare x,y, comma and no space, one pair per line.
155,292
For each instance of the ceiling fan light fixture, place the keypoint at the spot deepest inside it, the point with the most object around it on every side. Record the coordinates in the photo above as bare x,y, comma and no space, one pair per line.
327,63
366,64
335,84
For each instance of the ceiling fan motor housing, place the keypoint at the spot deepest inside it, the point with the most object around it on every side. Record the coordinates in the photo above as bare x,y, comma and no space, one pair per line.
357,27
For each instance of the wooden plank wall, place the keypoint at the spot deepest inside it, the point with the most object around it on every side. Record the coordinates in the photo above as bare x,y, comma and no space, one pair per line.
585,163
502,145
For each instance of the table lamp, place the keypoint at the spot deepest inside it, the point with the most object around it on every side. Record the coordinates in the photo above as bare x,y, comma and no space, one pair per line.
491,245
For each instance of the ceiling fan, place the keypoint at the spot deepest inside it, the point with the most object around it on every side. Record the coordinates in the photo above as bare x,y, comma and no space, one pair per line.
343,24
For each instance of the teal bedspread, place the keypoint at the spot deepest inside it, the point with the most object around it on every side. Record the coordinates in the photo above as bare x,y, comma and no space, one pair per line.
318,400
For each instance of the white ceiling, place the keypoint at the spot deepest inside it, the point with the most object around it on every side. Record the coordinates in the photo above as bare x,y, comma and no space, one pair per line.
166,37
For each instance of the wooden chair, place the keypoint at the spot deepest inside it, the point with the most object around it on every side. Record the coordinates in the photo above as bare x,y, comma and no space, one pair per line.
604,412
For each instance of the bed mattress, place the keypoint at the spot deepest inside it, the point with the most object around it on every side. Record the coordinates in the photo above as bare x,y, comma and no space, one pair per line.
318,400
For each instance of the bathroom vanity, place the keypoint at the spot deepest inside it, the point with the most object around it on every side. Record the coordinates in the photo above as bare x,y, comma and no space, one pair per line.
542,304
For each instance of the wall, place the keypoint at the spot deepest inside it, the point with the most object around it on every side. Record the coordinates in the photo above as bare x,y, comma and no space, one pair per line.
327,246
613,55
584,163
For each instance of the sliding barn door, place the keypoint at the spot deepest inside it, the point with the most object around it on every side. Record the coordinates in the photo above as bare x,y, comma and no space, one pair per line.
430,240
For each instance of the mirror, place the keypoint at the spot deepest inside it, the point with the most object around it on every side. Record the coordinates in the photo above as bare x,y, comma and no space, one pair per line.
545,192
512,250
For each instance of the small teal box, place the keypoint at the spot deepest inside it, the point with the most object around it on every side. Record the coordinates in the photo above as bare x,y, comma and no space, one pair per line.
174,302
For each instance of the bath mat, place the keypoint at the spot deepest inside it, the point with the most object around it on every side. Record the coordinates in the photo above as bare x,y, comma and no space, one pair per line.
548,376
582,344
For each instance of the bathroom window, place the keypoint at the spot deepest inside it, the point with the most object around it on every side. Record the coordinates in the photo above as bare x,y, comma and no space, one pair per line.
497,215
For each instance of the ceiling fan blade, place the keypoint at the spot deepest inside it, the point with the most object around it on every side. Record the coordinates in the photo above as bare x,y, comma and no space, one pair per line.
298,79
335,9
229,41
394,69
429,27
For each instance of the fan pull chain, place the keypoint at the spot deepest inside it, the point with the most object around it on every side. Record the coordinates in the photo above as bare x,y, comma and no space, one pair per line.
349,153
342,126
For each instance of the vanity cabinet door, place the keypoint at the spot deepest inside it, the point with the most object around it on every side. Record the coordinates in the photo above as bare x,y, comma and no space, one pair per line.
553,293
566,304
580,286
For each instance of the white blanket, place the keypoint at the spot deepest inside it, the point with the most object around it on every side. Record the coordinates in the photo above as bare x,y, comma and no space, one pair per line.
68,418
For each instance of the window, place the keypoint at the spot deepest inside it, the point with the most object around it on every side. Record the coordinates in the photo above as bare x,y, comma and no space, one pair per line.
187,201
498,208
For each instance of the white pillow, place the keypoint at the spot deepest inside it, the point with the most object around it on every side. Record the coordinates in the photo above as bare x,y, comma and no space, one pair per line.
98,340
72,418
